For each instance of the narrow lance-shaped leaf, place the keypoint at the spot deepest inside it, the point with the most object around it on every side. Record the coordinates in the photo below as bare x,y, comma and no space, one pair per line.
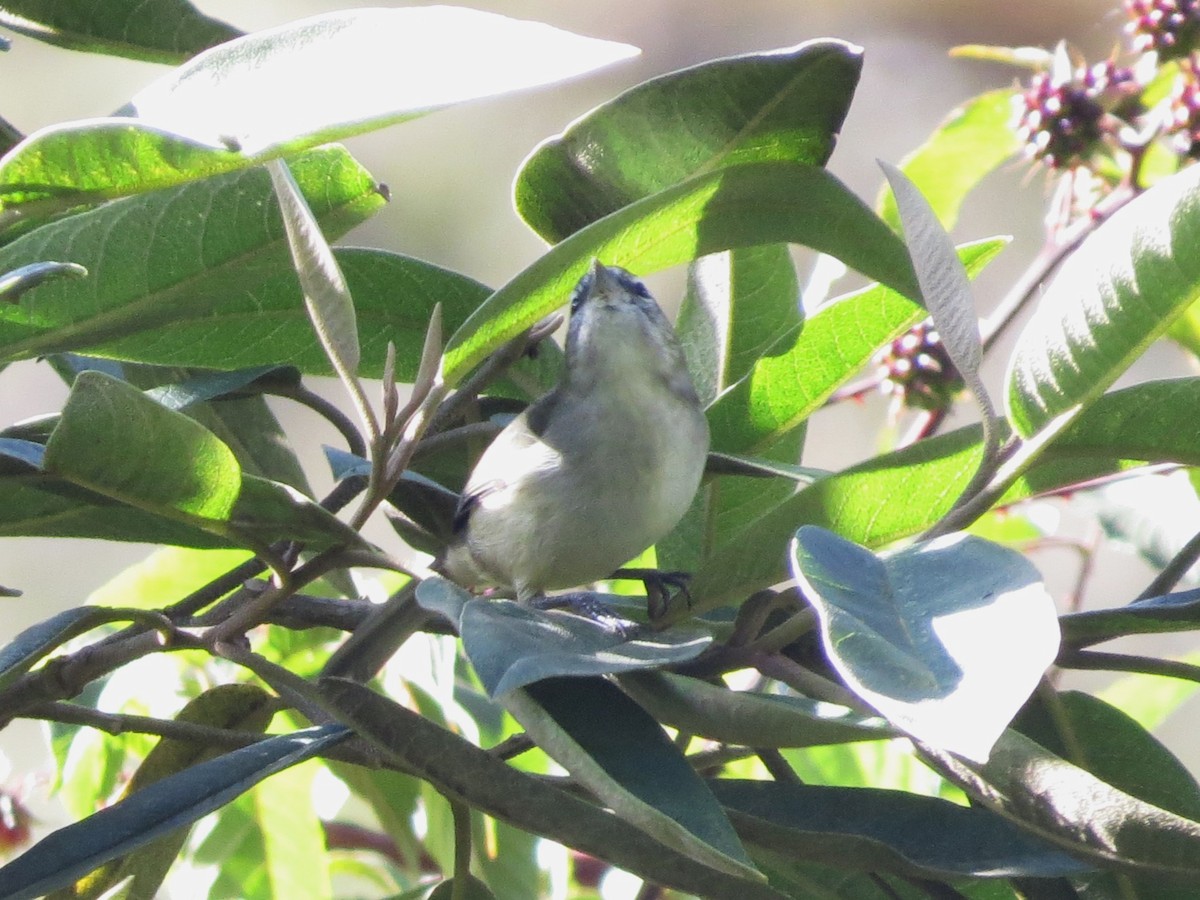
59,859
1111,299
14,284
642,777
326,297
946,289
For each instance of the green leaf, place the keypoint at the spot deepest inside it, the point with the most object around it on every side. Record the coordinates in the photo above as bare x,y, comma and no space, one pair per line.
887,831
785,105
64,855
1111,299
925,635
462,771
511,645
1122,430
295,857
974,140
232,706
805,364
1154,615
1074,809
758,203
736,306
1113,747
642,776
291,88
197,251
116,442
162,31
341,73
696,707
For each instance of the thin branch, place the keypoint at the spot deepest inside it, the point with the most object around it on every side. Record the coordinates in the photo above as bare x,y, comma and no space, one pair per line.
355,443
1173,571
1070,658
120,723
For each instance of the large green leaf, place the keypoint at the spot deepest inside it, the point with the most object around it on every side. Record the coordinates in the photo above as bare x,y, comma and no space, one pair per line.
116,442
974,139
177,800
946,639
785,105
1112,298
641,776
760,203
197,252
163,31
290,88
887,831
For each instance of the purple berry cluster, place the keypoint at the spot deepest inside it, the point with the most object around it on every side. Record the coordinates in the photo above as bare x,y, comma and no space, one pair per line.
916,369
1170,28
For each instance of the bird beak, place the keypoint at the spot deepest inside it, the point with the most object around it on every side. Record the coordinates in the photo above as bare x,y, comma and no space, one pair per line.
603,280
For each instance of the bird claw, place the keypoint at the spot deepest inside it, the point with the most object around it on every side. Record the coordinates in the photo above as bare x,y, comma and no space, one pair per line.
588,605
659,598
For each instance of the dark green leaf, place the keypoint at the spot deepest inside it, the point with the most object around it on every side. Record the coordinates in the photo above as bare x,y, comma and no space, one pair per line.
164,262
1072,808
511,646
462,771
243,707
114,441
641,776
1122,430
1154,615
63,856
162,31
925,635
213,385
975,139
1111,299
1113,747
887,831
739,717
758,203
784,105
736,306
474,890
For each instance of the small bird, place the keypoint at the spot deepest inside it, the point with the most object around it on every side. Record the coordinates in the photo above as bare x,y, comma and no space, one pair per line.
595,471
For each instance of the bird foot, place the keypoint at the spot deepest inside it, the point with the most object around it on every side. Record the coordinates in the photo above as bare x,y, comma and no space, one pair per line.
589,605
659,586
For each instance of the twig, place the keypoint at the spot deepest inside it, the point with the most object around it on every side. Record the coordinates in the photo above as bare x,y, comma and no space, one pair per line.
1070,658
121,723
1173,571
